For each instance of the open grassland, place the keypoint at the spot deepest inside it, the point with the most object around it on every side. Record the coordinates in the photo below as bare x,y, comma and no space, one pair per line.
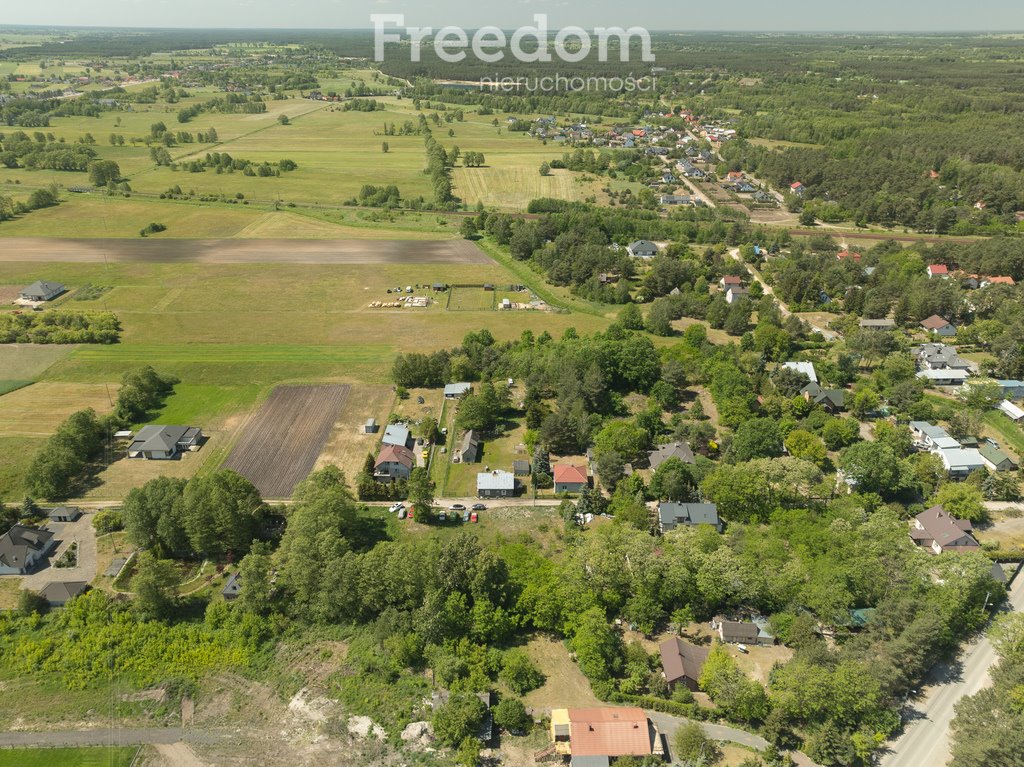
17,455
90,756
36,410
564,683
26,362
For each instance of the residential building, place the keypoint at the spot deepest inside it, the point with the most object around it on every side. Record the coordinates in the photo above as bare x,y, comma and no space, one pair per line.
672,515
1011,411
589,735
961,461
939,326
642,249
22,548
59,593
496,484
807,368
995,459
468,450
163,443
569,478
233,587
41,290
938,356
456,390
397,434
730,281
1012,390
394,462
879,324
848,255
832,400
938,270
944,376
682,663
938,531
742,632
797,188
926,434
680,450
735,293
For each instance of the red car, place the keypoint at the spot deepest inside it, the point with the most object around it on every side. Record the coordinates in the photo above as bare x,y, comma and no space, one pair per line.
473,517
410,513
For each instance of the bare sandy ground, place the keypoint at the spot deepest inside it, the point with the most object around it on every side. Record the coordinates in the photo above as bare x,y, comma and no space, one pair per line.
42,249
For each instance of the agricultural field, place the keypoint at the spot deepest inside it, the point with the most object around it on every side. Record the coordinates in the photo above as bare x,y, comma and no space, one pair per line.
89,756
280,445
347,446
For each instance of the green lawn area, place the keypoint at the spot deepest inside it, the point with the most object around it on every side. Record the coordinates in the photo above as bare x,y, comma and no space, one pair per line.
94,756
198,403
17,452
1008,430
8,386
26,362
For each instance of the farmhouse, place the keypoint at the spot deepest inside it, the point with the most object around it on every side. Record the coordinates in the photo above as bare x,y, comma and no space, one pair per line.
938,531
22,547
642,249
569,478
594,736
59,593
162,443
468,450
456,390
495,484
394,462
64,514
397,434
995,459
939,326
682,662
41,290
672,515
680,450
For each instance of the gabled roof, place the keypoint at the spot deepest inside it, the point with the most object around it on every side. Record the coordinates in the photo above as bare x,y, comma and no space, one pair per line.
395,454
935,322
680,450
731,279
457,389
844,254
163,439
672,514
935,269
609,732
1011,410
682,660
565,473
495,480
943,528
60,592
470,444
994,455
42,288
21,541
396,434
878,323
807,368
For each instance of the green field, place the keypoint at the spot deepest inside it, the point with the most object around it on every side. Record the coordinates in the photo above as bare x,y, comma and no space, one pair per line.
95,756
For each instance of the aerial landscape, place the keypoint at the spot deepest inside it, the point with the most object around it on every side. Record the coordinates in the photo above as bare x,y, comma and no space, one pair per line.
630,387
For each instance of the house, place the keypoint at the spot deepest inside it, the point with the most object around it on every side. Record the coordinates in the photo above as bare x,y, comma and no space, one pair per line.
59,593
937,531
807,368
569,478
41,290
938,270
457,390
1011,411
682,663
521,468
371,426
879,324
960,461
397,434
730,281
927,434
64,514
997,280
592,736
797,188
1011,389
742,632
939,326
496,484
995,459
832,400
674,199
848,255
642,249
735,293
680,450
163,443
937,356
735,175
947,377
21,549
394,462
233,587
468,450
672,515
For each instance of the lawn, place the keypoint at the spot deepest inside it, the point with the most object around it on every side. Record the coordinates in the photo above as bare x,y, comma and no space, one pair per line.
1007,430
26,362
92,756
565,684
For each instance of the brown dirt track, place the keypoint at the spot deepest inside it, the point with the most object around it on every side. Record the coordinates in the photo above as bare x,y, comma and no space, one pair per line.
279,446
41,249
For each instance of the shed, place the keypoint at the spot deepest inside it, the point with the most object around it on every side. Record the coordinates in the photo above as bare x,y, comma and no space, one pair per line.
59,593
233,587
371,426
456,390
64,514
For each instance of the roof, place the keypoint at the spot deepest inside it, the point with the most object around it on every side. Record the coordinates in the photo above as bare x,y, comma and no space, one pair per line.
878,323
935,322
521,467
928,429
642,245
59,592
609,732
470,444
42,288
1011,410
732,279
938,269
64,511
158,438
1000,280
807,368
994,455
680,450
565,473
396,434
795,185
395,454
961,459
844,254
589,761
495,480
681,659
234,585
457,389
21,541
944,374
739,629
672,514
943,528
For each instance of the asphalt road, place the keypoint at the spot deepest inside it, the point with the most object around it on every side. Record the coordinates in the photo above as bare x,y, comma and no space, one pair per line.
925,741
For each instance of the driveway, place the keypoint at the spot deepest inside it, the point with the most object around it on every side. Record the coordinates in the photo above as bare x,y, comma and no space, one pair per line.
756,275
80,532
925,740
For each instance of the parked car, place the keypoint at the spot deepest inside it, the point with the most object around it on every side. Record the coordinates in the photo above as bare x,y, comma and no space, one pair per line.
410,514
442,516
479,507
458,507
992,442
742,648
402,515
473,517
396,507
465,516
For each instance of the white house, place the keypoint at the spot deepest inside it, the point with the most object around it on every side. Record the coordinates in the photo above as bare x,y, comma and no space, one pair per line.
1013,412
22,547
961,461
944,377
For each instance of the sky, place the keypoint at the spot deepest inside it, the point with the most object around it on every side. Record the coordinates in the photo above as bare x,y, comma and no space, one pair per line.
725,15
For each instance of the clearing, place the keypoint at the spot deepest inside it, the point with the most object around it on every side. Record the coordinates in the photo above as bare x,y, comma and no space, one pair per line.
280,445
565,684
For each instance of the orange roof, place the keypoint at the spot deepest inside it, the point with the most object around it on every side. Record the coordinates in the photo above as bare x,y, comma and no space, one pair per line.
848,254
565,472
609,732
934,322
938,269
1001,280
396,454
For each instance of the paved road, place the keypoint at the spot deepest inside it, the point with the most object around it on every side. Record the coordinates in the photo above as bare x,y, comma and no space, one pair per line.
925,741
129,736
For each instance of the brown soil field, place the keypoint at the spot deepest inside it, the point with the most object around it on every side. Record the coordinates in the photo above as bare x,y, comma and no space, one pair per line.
42,249
278,448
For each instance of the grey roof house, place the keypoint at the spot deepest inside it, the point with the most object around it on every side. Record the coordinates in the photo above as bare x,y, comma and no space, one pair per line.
59,593
22,547
41,290
495,484
161,443
233,587
680,450
468,450
672,515
456,390
682,662
397,434
642,249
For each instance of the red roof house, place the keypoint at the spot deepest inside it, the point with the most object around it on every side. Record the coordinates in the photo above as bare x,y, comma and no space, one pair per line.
569,478
845,254
937,270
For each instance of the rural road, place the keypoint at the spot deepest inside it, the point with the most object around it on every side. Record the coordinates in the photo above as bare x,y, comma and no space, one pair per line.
925,741
783,309
118,736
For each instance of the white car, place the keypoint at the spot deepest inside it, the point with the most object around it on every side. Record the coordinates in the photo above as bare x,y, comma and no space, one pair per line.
396,507
742,648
